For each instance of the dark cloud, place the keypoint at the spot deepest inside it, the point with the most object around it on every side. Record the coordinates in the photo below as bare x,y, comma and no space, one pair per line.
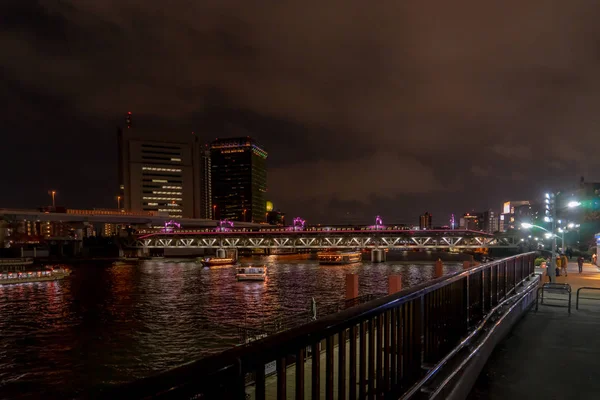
389,108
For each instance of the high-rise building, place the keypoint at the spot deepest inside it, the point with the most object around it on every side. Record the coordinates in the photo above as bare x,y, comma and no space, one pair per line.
425,221
205,175
239,179
507,219
165,177
471,222
489,221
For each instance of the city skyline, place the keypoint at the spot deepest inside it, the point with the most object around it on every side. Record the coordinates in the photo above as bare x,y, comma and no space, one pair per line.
425,125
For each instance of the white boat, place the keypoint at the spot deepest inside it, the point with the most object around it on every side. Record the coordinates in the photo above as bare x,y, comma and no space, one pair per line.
251,273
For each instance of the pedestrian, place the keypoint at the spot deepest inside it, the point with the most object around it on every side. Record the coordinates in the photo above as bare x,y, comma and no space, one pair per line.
580,264
558,264
594,259
569,252
564,263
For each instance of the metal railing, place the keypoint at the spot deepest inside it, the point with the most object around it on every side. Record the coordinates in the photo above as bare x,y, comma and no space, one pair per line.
385,346
585,298
557,288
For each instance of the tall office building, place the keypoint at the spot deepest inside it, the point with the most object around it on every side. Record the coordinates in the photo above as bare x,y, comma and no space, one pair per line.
239,179
425,221
205,174
159,176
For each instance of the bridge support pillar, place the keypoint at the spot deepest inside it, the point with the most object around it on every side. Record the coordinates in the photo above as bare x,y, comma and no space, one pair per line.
221,253
439,268
351,286
394,284
377,255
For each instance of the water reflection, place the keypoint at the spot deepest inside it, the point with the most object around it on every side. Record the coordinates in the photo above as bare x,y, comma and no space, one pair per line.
109,324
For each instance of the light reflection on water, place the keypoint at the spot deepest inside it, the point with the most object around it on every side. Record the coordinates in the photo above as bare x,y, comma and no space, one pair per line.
109,324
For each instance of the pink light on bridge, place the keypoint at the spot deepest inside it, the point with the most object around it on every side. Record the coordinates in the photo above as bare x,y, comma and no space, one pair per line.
225,225
170,225
299,224
378,223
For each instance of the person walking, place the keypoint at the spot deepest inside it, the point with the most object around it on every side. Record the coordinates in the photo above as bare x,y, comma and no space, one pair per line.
595,259
580,264
558,264
565,263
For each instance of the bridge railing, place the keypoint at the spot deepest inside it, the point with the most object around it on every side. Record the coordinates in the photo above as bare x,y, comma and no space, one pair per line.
388,345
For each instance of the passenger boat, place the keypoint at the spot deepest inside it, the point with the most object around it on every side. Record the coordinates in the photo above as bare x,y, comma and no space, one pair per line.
251,273
214,261
339,257
17,273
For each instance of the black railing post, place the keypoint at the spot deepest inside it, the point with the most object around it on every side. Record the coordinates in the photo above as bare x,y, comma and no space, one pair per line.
515,272
467,300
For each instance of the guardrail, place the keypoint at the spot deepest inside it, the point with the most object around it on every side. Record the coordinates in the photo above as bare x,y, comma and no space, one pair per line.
560,288
585,298
393,345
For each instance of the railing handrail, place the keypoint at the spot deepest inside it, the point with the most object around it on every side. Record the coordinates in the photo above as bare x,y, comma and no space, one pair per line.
586,298
287,341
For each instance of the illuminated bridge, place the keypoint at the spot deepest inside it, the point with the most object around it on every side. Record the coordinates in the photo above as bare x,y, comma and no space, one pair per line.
324,239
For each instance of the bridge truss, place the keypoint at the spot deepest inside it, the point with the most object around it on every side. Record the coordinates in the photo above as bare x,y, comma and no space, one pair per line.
327,240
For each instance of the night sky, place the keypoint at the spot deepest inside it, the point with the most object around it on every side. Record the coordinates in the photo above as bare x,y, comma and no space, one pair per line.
387,107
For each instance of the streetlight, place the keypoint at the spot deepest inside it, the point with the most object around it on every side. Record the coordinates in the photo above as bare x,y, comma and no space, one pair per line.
573,204
53,194
118,202
214,211
244,215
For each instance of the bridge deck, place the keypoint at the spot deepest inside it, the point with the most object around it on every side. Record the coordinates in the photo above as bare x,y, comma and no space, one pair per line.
549,354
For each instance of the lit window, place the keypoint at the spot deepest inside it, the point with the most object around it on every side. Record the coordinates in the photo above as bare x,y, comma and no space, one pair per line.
161,169
160,180
159,192
175,159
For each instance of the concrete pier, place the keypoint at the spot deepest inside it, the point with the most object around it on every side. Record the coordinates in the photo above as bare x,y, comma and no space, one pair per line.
377,255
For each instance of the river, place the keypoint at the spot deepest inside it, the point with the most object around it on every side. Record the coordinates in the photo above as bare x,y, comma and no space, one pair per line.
110,324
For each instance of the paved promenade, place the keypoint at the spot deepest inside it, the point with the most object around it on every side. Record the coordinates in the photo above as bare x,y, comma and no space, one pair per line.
549,354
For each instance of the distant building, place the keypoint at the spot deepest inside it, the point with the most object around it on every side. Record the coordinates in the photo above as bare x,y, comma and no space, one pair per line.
471,222
165,177
425,221
205,177
489,222
239,179
507,220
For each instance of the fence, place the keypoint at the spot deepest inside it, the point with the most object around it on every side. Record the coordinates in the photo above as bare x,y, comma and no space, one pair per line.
385,346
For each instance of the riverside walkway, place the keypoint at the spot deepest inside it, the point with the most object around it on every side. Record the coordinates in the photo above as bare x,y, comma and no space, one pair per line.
549,354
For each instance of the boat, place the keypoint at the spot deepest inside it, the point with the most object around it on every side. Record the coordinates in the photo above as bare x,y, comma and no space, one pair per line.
214,261
339,257
16,273
251,273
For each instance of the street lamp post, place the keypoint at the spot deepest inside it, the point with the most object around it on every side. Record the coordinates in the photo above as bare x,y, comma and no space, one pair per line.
118,202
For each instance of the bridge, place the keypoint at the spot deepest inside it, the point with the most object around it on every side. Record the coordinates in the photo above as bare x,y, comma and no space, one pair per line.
428,341
324,238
